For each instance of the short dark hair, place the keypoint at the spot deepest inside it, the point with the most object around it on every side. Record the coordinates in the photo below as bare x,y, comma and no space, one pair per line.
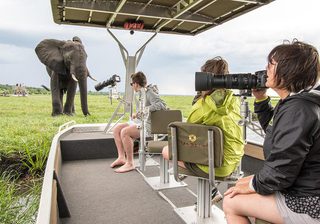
140,78
298,65
216,65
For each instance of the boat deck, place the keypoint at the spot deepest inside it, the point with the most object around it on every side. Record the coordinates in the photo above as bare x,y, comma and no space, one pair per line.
97,194
94,193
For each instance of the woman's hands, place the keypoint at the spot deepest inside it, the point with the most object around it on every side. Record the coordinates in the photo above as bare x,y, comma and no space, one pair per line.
241,187
134,116
260,94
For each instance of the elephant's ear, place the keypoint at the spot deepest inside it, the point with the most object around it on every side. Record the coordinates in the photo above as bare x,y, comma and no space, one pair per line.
49,52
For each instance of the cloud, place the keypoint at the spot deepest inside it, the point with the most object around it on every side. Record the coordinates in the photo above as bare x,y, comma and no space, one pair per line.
17,38
11,54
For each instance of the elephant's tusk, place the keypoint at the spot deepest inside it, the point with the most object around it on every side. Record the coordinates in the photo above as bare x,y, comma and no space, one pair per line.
74,78
91,77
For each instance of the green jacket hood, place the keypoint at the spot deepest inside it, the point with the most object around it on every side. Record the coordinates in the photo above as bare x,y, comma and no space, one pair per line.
222,101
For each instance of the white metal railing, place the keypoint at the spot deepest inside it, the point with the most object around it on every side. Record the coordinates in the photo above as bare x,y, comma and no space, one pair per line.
66,125
44,212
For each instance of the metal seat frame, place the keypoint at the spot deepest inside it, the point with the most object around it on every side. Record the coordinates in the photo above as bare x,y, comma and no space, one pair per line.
159,126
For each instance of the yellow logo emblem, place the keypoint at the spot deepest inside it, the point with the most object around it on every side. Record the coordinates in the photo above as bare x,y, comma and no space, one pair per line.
192,138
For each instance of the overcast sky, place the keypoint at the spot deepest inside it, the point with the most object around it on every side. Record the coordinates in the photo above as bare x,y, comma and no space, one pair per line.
169,60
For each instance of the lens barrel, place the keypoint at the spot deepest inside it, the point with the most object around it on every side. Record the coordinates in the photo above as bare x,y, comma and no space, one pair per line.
208,81
100,86
109,82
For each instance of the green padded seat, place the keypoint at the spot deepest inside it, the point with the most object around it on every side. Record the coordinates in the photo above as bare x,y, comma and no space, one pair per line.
160,120
192,143
187,172
156,146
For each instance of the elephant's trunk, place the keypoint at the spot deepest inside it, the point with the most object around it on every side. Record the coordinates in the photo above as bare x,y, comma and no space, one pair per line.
83,96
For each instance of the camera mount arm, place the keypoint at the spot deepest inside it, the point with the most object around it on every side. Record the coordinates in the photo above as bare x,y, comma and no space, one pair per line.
246,120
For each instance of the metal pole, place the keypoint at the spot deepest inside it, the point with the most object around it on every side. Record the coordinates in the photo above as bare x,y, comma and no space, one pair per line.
131,62
143,117
244,112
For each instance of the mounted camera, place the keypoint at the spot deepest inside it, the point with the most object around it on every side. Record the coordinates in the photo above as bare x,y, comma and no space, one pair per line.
207,81
109,82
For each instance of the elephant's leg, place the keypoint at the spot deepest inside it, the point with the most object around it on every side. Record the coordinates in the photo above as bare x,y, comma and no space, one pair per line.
61,96
55,94
71,92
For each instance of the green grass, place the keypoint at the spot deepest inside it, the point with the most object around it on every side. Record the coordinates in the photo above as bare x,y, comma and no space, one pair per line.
25,120
18,200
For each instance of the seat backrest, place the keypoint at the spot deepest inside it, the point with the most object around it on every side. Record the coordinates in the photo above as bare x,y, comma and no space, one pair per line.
160,120
192,143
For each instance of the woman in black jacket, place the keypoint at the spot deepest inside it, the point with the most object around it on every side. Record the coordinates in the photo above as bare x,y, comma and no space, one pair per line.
287,188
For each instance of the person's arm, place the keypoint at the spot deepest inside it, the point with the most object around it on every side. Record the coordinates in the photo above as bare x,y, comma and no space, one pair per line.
291,140
263,107
136,102
243,186
156,103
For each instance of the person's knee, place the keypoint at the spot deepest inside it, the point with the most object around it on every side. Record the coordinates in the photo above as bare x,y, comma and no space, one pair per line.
165,153
130,131
227,205
125,132
117,129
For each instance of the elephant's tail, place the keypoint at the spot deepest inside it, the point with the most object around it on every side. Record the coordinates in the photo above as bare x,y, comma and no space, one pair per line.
46,88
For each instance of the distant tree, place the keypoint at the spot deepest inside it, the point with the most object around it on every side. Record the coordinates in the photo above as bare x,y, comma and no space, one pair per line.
30,90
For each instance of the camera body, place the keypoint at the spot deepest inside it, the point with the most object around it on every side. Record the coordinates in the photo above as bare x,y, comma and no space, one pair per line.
109,82
243,81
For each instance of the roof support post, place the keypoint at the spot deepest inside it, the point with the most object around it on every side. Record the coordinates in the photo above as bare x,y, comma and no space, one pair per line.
130,62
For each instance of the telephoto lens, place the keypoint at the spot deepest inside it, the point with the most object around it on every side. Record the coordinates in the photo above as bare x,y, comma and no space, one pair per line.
207,81
100,86
109,82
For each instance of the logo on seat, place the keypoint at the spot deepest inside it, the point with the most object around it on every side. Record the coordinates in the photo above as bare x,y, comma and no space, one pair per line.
192,138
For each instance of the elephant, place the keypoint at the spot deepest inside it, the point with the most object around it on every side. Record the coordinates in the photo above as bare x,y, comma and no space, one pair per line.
65,63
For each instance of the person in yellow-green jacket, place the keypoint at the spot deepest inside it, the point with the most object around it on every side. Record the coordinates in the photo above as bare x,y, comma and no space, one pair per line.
217,107
220,108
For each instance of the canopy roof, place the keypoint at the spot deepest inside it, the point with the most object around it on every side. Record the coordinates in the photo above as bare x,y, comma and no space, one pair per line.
188,17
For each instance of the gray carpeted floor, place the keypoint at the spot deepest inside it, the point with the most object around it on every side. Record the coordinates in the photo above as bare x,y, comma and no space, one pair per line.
96,194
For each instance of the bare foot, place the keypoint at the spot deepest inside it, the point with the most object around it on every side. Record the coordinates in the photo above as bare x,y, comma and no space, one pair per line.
118,162
125,168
